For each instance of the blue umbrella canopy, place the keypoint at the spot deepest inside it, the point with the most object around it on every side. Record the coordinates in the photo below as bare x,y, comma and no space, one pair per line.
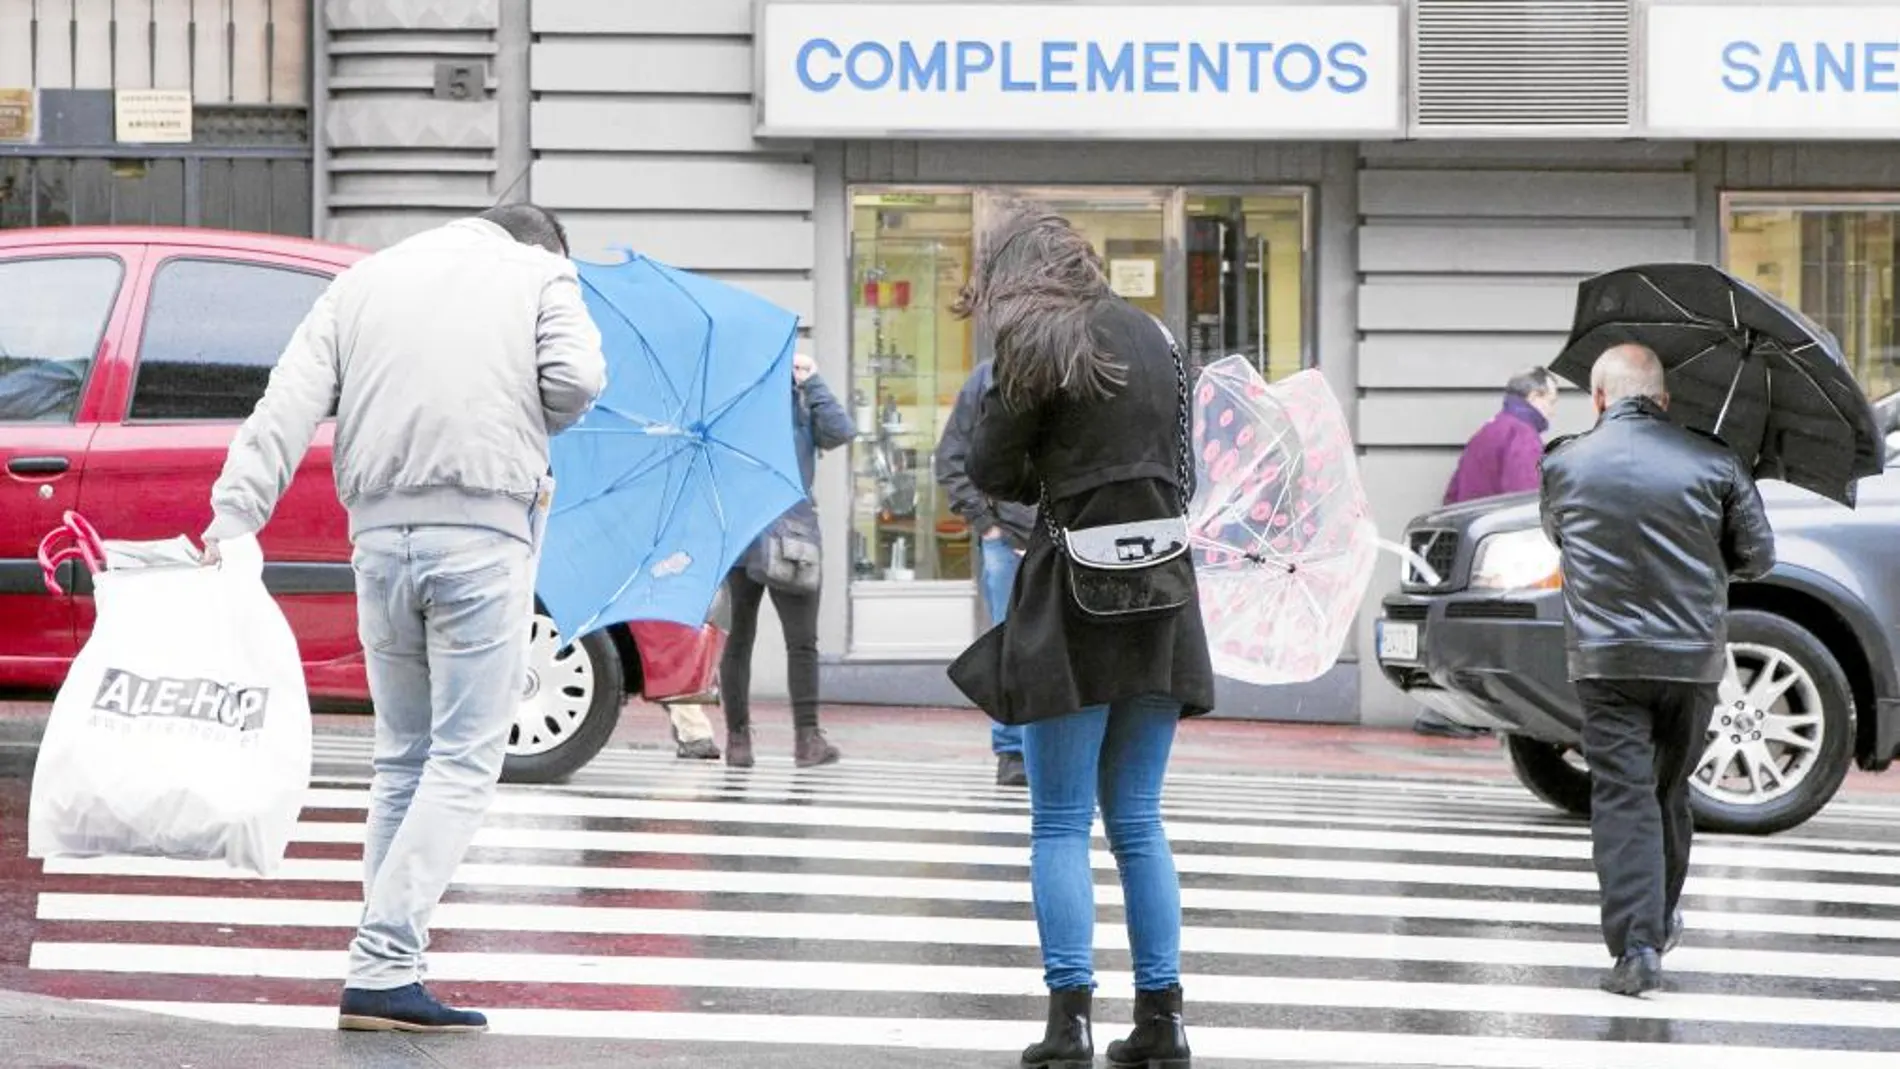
686,458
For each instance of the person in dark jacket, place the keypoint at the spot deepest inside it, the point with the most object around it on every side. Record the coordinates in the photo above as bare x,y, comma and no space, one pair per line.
1652,520
1502,457
819,422
1002,528
1086,408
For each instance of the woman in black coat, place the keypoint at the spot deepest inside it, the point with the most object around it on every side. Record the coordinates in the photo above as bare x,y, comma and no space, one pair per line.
1088,414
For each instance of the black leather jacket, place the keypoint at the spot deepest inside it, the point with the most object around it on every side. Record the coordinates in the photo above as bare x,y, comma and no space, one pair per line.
1653,520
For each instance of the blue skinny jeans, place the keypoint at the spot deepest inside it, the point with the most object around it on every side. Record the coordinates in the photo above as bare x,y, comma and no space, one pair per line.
1116,755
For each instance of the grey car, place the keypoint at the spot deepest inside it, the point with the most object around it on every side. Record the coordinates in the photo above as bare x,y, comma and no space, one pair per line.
1476,633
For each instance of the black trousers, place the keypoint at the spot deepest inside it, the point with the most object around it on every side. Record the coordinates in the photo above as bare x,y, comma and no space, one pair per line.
798,617
1641,739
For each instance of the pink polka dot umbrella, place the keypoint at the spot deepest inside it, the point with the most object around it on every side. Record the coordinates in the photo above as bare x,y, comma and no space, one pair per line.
1282,534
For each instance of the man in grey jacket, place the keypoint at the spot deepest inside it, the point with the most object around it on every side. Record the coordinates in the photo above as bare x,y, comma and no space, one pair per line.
450,359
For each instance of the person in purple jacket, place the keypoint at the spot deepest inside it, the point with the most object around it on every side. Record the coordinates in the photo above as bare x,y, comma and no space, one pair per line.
1502,458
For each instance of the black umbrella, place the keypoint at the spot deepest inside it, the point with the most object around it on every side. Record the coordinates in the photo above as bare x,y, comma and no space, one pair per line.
1743,366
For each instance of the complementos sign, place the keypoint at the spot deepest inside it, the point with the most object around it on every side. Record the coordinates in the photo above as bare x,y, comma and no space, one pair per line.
1788,71
1180,70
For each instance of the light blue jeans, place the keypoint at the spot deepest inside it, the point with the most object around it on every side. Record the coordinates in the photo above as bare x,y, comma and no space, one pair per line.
1118,755
999,578
443,613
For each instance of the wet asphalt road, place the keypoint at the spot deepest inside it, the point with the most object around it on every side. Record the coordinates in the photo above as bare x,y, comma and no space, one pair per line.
657,913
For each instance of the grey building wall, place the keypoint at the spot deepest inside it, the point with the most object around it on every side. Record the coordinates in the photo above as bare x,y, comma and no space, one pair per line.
1469,258
393,158
642,132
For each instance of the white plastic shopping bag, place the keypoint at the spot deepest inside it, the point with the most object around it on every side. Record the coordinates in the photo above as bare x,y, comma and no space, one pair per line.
183,729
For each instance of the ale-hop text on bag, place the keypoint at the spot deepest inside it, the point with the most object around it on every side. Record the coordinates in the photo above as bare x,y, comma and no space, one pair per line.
202,700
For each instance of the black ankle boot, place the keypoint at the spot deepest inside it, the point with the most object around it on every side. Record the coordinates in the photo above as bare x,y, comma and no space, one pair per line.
1159,1040
1067,1043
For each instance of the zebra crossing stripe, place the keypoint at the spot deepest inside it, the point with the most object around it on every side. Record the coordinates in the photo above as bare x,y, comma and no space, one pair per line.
1253,942
1180,832
875,977
478,874
1254,1045
1295,812
1001,801
747,924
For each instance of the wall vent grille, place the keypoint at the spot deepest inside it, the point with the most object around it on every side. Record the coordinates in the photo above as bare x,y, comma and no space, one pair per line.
1558,65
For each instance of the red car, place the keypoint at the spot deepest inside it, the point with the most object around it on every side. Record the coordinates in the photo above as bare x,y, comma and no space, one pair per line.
128,357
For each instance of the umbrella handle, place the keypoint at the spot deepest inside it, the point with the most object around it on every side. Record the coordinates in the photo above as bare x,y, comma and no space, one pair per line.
1410,556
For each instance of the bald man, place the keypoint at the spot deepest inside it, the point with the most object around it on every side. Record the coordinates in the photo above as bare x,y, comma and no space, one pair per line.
1652,521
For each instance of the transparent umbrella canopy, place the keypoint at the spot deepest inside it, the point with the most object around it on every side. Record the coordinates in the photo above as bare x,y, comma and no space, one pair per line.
1282,533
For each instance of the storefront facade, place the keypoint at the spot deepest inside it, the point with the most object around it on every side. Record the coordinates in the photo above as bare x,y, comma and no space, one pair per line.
1399,193
1413,223
1219,236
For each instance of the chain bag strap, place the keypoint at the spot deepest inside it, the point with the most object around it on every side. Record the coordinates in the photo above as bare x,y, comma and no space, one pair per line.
1128,572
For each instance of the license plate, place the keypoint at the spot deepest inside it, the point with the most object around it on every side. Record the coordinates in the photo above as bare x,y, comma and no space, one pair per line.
1398,642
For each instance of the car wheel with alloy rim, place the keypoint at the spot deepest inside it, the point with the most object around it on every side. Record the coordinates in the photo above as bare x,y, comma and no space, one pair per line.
1779,739
570,704
1781,735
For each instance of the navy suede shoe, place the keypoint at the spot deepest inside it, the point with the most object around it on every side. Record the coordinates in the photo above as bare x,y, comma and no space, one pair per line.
403,1009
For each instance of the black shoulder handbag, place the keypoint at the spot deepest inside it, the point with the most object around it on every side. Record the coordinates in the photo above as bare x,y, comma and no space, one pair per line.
1130,572
789,556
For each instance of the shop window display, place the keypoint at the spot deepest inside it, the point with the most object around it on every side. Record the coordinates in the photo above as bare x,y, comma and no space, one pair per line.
910,256
1836,263
1246,268
1227,269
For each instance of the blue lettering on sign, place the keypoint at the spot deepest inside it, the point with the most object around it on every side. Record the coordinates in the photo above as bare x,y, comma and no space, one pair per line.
1302,56
1104,76
826,65
1212,67
881,63
1155,68
1341,56
1253,50
914,74
967,55
1741,76
1812,67
1052,66
1011,84
1839,66
810,49
1787,70
1879,61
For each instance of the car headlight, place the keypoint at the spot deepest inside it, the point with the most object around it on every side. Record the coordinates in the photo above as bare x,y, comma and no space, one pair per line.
1517,560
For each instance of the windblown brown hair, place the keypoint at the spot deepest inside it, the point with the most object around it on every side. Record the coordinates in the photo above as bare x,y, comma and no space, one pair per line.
1036,290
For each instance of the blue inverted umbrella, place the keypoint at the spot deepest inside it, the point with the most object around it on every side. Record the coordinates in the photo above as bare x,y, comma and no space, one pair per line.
686,458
